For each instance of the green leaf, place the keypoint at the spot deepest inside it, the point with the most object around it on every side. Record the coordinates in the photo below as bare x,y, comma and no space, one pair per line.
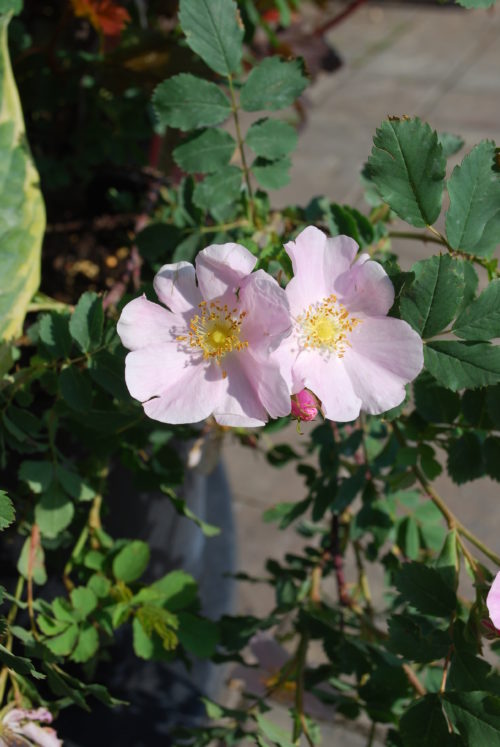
424,723
275,733
465,459
180,505
450,144
218,189
197,634
273,84
131,562
88,643
7,513
38,562
188,102
481,319
205,152
84,601
106,370
214,31
11,6
272,174
432,300
54,512
476,3
143,645
19,664
177,590
408,538
459,365
407,166
22,213
424,589
468,672
415,638
186,250
76,389
54,333
493,404
435,403
64,643
476,716
38,475
491,454
473,218
271,138
87,321
448,560
74,484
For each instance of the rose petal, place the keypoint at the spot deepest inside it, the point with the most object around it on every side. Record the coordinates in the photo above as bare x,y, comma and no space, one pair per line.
175,286
191,398
40,735
493,601
366,288
144,323
317,262
386,354
327,378
265,377
152,370
240,405
221,269
267,318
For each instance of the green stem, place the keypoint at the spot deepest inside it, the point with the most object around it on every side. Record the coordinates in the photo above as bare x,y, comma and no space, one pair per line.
8,644
239,139
223,227
298,723
415,235
371,735
452,521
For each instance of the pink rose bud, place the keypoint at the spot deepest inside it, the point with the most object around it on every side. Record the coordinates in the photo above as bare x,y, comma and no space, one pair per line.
304,405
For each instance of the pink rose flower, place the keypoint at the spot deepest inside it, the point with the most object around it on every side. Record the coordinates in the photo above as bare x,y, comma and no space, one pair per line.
304,405
493,601
210,352
343,346
19,726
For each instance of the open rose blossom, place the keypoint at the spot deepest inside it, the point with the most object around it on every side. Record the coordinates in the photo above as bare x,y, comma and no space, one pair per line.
493,601
210,353
343,346
19,726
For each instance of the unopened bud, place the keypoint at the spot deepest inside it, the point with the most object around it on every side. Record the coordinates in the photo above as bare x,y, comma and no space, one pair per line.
304,405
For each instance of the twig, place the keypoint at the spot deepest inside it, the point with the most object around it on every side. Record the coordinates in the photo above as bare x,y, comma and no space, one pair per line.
239,139
413,680
8,644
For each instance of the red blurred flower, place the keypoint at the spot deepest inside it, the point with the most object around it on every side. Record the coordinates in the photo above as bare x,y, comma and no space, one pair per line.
106,17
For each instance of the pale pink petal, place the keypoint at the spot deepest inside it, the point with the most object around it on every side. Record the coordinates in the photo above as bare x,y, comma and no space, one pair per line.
221,269
150,371
175,286
144,323
191,398
286,355
40,735
327,378
265,377
386,354
493,601
267,315
367,288
240,405
317,262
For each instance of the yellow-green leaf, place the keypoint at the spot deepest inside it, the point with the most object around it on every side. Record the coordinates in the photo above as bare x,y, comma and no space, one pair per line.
22,212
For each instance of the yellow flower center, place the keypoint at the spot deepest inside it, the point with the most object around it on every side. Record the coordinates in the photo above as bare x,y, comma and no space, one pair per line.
216,330
325,325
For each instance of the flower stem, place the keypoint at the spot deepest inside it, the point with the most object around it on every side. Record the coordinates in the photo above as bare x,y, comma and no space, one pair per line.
239,139
451,519
299,722
415,235
8,644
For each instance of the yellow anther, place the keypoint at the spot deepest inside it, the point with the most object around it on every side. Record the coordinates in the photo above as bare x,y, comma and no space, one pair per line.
216,331
325,326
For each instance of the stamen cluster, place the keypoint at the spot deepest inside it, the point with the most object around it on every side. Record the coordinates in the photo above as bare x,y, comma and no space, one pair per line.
216,330
325,325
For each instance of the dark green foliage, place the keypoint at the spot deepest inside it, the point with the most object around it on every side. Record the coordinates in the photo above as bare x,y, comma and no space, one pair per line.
407,166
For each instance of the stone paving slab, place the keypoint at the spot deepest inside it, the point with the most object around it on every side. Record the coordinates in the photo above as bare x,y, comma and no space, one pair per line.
442,64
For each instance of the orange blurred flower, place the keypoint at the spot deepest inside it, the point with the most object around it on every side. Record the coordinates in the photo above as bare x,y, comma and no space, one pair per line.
105,16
